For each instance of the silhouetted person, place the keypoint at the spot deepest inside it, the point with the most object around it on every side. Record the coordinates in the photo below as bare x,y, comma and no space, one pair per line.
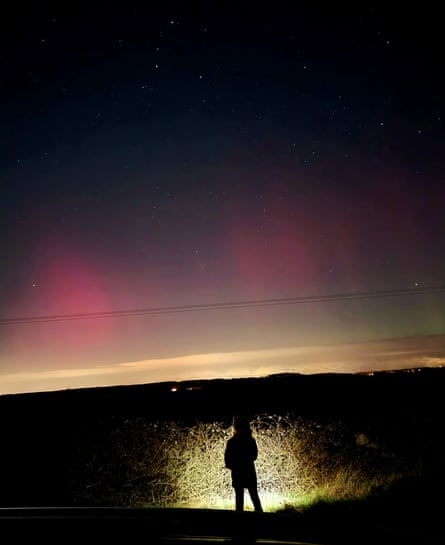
240,455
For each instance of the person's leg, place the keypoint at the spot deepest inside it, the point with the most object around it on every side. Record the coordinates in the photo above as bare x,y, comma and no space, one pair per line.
255,499
239,499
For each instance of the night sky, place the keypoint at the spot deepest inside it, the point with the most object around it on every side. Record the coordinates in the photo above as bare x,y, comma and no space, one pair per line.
213,153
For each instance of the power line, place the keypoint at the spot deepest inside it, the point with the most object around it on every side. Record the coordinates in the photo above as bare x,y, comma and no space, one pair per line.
225,306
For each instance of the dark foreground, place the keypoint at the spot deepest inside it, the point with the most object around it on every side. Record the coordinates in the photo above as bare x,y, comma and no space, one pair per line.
205,526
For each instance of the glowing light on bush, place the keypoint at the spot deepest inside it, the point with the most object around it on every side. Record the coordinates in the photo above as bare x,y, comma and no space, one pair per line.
282,472
143,463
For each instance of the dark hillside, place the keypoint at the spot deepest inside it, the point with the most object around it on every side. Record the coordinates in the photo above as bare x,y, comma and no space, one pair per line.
411,392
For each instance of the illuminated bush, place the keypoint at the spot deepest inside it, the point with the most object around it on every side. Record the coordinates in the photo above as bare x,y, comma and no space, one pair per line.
142,463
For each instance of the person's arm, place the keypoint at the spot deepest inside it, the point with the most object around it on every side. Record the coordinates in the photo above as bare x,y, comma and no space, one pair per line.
228,458
254,449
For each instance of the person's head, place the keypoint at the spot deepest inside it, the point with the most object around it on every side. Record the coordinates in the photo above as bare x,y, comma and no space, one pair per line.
241,424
